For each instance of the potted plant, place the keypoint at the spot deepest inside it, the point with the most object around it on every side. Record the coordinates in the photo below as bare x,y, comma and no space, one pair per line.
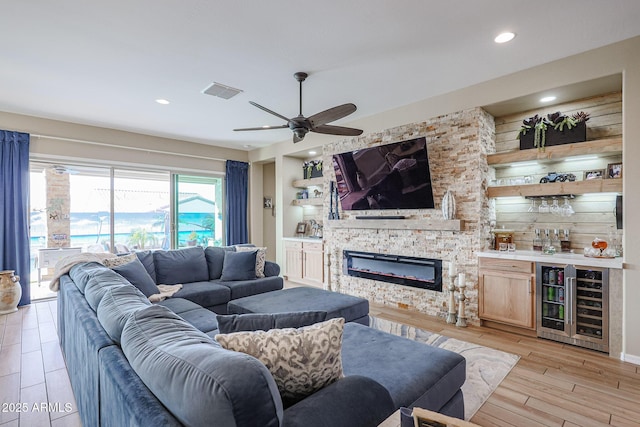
554,129
192,239
312,169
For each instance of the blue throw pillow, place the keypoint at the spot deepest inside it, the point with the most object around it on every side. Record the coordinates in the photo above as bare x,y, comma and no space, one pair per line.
181,266
229,323
239,266
138,276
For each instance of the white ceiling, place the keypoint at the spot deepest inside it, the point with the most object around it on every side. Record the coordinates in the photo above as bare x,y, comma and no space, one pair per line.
104,63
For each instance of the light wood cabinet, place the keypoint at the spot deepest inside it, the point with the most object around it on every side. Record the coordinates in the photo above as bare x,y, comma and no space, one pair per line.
507,292
304,262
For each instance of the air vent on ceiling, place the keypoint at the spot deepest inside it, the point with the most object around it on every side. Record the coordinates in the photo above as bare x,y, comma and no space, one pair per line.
221,91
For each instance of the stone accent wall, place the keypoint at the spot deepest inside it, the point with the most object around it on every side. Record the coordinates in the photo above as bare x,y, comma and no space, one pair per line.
58,209
457,145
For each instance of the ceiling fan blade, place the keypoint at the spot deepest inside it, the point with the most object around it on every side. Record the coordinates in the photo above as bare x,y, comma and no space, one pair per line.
337,130
264,128
332,114
269,111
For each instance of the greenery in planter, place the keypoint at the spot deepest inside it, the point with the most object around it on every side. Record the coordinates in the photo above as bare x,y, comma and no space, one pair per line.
309,167
554,121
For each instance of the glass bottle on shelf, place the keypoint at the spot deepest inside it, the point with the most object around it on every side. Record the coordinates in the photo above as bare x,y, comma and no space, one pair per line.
555,241
537,241
565,243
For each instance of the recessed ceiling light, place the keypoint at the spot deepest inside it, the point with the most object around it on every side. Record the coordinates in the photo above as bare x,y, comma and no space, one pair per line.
548,99
162,101
504,37
312,153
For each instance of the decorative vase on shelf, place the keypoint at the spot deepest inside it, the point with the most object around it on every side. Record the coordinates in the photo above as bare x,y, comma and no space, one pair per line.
448,205
10,291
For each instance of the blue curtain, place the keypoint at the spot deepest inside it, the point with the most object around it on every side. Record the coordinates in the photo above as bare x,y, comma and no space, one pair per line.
14,207
237,194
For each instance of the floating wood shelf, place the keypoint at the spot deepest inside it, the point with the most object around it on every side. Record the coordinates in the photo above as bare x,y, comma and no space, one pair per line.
313,201
399,224
610,146
558,188
306,183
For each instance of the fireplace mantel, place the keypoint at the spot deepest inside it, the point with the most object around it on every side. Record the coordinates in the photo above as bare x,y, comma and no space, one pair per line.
399,224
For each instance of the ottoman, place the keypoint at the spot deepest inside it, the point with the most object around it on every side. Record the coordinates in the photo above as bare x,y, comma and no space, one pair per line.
352,309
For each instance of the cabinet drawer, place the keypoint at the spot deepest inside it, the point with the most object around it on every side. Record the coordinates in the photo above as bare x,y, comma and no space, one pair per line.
312,246
507,265
292,245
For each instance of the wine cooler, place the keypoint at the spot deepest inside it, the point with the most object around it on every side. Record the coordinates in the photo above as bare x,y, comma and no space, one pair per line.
573,305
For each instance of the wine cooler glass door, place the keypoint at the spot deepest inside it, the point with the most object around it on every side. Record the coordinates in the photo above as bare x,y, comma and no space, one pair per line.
553,306
591,319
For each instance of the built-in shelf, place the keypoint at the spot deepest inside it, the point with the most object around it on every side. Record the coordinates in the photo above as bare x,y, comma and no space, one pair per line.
306,183
609,146
399,224
558,188
312,201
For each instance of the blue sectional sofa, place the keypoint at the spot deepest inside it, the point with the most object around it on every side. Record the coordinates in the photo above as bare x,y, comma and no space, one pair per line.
135,363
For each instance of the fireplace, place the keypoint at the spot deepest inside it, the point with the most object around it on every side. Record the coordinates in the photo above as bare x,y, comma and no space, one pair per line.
424,273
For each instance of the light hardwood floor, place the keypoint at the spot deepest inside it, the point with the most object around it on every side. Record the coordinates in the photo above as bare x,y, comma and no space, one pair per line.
552,385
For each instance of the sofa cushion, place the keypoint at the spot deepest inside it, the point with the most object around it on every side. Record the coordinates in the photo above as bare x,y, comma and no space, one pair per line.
225,387
228,323
137,275
215,259
245,288
98,285
81,273
117,304
261,257
239,266
205,294
146,258
302,361
180,266
202,319
414,373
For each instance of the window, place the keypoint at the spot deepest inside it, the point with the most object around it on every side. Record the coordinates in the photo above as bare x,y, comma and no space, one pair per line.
198,211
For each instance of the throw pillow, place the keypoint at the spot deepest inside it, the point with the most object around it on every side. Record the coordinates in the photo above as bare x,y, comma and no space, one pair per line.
119,260
302,361
181,266
239,266
138,276
261,258
228,323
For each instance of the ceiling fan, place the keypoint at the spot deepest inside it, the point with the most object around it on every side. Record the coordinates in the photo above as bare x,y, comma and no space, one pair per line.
301,125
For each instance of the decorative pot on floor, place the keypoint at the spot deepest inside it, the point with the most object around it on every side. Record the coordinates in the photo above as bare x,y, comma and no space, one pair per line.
10,291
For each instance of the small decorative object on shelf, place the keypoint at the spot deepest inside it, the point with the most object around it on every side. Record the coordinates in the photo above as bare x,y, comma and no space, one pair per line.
451,316
10,291
448,205
557,177
555,129
462,318
312,169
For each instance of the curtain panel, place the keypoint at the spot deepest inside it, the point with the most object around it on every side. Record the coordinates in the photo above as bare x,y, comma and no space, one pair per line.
236,194
14,207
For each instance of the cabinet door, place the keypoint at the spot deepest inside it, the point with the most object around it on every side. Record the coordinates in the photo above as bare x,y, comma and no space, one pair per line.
313,262
507,297
293,260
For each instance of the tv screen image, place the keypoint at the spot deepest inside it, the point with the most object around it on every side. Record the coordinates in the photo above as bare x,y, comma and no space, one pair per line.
391,176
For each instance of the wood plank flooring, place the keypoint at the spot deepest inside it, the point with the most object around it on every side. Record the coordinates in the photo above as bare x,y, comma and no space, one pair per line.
553,384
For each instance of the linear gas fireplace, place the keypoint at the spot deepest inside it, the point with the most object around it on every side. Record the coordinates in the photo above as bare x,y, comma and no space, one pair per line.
422,273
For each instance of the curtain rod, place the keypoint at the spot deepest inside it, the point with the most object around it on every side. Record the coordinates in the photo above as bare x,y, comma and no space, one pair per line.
104,144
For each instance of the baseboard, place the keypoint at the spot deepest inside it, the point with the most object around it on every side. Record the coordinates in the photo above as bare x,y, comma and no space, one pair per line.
630,358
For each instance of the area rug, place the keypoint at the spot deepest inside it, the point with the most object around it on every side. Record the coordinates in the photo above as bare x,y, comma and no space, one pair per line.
486,367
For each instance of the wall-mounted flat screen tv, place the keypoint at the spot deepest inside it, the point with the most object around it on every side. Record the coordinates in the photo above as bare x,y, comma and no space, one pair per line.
391,176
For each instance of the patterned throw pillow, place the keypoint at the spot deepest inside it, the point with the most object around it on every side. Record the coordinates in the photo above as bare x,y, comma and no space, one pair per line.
120,260
302,361
261,257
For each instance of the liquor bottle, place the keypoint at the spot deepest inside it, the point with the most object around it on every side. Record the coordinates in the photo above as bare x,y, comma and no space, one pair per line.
546,242
565,243
555,241
537,241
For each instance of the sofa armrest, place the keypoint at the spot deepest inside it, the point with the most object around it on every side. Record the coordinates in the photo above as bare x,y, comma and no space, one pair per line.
271,269
352,401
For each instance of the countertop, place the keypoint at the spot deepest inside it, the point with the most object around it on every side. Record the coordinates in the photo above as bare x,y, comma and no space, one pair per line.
304,239
558,258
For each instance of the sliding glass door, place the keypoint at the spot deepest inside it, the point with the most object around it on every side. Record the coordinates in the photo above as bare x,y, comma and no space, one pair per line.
198,211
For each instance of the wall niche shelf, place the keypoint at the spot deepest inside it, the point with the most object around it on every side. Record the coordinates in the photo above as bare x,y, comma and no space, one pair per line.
306,183
311,201
398,224
555,188
605,147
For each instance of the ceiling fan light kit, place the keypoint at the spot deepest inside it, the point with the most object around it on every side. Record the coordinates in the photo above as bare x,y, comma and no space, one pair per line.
301,125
